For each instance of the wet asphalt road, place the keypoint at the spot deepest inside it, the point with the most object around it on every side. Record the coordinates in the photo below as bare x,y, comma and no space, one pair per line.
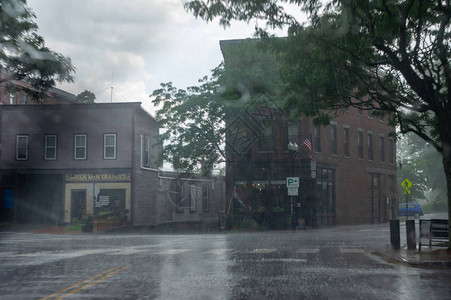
334,263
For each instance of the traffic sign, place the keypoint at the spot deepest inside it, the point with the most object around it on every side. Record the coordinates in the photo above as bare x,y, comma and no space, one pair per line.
406,184
292,182
293,191
406,191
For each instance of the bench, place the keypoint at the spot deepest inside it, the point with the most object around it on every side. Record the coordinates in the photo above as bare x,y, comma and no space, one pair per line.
436,231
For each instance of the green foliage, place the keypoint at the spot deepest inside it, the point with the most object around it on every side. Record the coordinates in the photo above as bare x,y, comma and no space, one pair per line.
423,166
23,54
86,97
74,227
195,119
390,56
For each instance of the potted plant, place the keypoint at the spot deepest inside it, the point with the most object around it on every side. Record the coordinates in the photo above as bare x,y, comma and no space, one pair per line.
87,222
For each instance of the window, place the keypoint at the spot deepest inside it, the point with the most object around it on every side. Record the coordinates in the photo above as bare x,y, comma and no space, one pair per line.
205,206
370,146
391,151
292,132
360,112
22,147
50,147
266,139
333,138
25,99
12,98
145,151
360,143
346,141
80,146
109,146
195,197
179,198
370,114
382,148
317,141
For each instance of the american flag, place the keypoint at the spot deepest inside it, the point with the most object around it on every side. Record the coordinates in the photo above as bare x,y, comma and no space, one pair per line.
240,203
308,143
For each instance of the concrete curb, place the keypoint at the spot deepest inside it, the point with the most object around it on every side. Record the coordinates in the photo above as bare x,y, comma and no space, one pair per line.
401,260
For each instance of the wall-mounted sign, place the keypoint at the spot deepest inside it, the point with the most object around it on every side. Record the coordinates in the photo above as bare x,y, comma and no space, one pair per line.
102,201
104,177
292,182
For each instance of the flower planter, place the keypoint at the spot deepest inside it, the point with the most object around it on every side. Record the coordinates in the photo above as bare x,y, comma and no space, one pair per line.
102,225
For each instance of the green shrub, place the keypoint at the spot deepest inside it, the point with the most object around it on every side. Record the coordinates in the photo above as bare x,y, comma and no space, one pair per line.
74,227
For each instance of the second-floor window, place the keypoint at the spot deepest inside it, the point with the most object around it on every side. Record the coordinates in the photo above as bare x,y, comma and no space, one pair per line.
22,147
145,151
333,138
346,141
382,148
370,146
317,139
109,146
80,146
292,132
205,206
12,98
50,147
390,151
266,139
360,143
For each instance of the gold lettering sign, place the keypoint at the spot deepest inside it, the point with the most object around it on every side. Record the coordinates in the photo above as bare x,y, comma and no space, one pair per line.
110,177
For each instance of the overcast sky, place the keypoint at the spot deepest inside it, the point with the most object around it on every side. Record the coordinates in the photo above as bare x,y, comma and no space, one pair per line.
132,45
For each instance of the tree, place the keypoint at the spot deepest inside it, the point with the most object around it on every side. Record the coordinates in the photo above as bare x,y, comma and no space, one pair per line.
86,97
421,164
23,54
389,56
195,119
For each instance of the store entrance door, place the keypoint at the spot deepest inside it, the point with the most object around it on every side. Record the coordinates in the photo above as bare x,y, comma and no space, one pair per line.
78,204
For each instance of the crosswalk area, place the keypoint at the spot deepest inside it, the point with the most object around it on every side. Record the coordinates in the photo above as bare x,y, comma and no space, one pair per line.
43,255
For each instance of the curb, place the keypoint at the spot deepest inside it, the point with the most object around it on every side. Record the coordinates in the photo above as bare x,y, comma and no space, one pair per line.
414,264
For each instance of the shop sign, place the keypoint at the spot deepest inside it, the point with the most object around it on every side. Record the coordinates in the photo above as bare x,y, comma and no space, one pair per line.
105,177
102,201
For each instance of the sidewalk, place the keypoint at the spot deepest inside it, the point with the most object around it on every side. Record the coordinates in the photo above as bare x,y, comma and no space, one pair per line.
429,257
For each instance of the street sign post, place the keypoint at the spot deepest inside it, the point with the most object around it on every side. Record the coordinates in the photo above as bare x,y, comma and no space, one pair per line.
406,184
292,182
293,191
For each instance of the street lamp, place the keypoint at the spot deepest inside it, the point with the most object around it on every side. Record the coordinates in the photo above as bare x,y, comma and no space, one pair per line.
293,148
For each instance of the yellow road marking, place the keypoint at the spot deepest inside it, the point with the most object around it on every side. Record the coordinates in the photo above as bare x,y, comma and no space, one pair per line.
87,282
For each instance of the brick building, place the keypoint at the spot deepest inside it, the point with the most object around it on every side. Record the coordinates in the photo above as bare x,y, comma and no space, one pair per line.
20,92
58,162
351,180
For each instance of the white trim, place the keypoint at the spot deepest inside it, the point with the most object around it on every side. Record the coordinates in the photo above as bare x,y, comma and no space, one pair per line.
84,146
50,147
109,146
27,147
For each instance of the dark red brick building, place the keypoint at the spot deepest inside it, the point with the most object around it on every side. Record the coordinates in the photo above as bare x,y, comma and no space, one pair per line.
352,179
20,92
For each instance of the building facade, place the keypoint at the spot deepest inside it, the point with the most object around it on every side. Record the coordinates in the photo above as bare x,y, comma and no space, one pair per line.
13,92
348,177
59,162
